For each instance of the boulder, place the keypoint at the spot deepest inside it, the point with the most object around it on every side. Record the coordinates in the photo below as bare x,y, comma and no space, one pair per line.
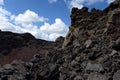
94,67
116,75
97,76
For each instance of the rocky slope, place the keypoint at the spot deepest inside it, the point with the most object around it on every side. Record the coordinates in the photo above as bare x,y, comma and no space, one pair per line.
90,51
21,46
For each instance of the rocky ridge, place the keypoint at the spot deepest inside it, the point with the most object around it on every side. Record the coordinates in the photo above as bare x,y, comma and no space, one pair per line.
22,46
90,51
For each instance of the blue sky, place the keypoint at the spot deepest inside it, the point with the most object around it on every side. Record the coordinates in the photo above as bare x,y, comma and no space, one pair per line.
45,19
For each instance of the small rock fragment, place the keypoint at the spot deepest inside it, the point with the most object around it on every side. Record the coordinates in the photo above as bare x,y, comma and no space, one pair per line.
88,43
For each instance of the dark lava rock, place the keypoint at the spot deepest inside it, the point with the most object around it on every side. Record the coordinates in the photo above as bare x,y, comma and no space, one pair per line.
116,76
97,76
90,51
59,42
18,46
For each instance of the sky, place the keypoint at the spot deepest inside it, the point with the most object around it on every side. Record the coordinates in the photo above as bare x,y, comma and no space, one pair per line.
44,19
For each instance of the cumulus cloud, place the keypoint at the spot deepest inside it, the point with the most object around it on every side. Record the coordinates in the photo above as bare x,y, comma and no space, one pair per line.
76,3
80,3
28,17
109,1
52,1
23,22
58,28
5,22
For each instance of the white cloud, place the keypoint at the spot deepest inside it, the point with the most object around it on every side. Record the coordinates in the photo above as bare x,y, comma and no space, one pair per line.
76,3
80,3
109,1
52,1
4,20
4,11
1,2
28,17
41,35
57,27
24,23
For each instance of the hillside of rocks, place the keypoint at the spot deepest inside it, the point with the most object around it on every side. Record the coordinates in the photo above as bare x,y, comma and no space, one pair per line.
22,46
90,51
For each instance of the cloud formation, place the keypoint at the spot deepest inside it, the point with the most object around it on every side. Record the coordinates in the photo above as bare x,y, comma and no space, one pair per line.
29,17
81,3
58,28
24,22
109,1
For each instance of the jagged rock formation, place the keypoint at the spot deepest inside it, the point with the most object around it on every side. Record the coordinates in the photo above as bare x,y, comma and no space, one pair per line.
90,51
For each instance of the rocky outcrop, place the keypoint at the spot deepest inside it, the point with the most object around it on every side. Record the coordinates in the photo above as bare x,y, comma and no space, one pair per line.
90,51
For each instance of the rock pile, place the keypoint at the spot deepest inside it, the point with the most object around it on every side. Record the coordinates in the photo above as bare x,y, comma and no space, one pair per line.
90,51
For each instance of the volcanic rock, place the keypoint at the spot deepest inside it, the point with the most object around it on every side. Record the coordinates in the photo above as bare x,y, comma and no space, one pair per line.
97,76
90,51
21,46
116,76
